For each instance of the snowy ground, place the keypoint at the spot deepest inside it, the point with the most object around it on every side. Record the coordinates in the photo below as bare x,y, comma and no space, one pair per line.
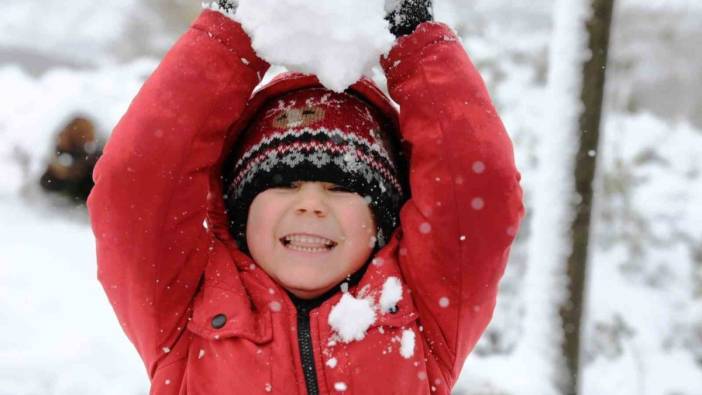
59,333
644,327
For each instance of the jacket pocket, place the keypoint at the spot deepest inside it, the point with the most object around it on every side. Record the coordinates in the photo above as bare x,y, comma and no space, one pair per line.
220,313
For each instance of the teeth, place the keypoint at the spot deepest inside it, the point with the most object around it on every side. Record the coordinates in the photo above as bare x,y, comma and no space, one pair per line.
309,241
306,249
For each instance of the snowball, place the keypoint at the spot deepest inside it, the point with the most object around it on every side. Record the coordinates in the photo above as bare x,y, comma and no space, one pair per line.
391,294
340,386
336,40
351,318
331,362
407,344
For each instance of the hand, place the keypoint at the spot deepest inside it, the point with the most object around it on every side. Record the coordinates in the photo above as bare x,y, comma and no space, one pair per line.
228,6
405,15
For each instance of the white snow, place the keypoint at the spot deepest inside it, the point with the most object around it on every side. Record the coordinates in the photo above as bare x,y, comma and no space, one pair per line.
444,302
477,203
60,335
425,228
95,28
407,343
331,362
391,294
340,386
338,41
33,111
552,211
351,318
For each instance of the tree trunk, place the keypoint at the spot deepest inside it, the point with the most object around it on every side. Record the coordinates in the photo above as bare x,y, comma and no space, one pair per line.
598,28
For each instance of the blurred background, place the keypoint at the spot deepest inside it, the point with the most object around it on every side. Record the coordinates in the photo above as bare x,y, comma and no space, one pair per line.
68,73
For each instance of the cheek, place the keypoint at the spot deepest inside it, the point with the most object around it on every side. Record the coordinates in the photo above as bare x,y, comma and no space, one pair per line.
263,214
358,220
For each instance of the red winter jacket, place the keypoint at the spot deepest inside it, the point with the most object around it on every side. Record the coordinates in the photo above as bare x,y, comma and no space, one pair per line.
206,320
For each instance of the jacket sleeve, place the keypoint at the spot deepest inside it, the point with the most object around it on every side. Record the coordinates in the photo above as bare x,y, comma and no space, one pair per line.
466,202
151,184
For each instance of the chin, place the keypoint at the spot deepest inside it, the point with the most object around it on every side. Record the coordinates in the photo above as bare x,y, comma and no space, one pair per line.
305,289
307,292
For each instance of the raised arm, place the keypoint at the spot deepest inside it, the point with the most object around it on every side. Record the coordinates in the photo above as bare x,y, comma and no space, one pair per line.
466,202
149,201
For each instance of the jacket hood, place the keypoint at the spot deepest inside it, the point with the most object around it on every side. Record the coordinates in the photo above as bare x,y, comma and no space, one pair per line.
283,83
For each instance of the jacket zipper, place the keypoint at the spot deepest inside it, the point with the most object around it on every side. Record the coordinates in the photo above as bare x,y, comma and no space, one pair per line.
304,340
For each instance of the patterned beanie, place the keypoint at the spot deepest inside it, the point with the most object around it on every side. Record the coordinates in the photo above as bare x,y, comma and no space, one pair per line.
316,134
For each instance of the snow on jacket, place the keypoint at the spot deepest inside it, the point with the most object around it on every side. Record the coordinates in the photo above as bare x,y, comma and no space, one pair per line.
206,320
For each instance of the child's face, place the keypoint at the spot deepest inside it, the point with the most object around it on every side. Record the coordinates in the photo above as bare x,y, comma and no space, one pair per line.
310,236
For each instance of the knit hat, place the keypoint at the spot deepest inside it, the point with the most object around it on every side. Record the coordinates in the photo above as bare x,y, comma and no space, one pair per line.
316,134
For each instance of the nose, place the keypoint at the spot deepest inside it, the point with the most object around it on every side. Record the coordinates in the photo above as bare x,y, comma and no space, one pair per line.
310,199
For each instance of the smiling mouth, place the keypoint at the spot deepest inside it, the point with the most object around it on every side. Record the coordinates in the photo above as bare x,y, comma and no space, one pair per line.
307,243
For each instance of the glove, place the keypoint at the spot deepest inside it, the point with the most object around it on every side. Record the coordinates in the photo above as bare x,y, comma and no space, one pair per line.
405,15
226,7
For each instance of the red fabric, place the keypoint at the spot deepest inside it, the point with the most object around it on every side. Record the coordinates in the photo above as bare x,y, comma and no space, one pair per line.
338,111
167,276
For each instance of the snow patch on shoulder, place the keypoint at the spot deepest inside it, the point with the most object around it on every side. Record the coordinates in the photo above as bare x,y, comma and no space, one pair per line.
338,41
391,294
351,318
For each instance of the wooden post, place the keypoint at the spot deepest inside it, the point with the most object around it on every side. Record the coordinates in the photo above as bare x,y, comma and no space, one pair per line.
594,70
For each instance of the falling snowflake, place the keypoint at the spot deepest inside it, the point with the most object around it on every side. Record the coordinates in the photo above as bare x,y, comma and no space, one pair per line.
275,306
444,302
425,228
477,203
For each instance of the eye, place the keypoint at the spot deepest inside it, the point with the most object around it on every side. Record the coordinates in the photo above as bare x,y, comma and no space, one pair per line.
287,185
284,185
339,188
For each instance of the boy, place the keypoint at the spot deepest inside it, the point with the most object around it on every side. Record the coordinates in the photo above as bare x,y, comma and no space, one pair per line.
309,281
